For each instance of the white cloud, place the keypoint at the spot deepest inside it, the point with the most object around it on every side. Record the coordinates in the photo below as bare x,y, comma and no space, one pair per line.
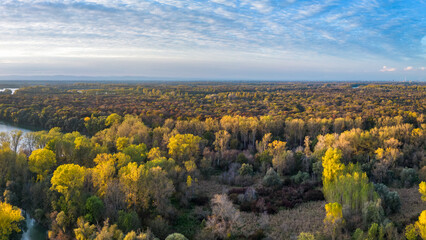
422,68
262,6
387,69
267,29
409,68
228,3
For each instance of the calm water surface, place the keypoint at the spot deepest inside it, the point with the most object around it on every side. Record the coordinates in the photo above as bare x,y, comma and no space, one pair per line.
11,89
4,127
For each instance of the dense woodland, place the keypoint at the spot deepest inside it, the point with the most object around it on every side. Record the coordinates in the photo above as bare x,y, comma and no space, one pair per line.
216,161
66,106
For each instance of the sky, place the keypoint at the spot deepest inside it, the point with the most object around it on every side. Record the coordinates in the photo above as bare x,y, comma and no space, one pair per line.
214,39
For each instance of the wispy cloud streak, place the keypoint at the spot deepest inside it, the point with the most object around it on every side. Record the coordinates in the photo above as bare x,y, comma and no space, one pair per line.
266,29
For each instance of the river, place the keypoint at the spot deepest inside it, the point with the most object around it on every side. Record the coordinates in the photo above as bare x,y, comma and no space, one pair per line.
13,90
5,127
34,230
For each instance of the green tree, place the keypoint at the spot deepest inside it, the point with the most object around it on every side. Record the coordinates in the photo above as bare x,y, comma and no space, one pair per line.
246,169
176,236
128,221
411,232
306,236
271,179
136,152
94,209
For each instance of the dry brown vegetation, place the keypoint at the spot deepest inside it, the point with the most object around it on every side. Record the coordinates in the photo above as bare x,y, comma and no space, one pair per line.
308,216
411,206
287,223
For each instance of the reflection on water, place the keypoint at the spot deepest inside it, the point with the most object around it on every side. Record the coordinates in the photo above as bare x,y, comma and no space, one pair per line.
34,230
13,90
8,128
4,127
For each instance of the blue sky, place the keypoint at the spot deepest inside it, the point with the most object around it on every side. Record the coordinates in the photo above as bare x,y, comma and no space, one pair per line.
215,39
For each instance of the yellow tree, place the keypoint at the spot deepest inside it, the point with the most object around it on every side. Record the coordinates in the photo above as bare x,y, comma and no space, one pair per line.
386,158
84,230
154,153
422,190
421,223
334,219
230,124
262,146
41,162
184,146
9,219
295,130
106,169
122,143
130,176
144,186
68,179
332,167
221,142
113,118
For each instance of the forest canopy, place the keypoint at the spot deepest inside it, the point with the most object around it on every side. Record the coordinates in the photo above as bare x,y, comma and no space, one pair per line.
216,161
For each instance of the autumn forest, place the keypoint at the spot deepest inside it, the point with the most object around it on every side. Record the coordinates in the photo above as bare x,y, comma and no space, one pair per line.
214,160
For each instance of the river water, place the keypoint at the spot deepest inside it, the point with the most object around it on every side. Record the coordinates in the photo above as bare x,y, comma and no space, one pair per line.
13,90
34,230
4,127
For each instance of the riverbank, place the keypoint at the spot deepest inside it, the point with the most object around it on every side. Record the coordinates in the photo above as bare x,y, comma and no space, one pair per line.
34,231
7,127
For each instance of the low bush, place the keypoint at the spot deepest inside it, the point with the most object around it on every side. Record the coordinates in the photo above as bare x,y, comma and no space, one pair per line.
271,199
243,181
313,195
246,169
390,200
271,179
300,177
409,177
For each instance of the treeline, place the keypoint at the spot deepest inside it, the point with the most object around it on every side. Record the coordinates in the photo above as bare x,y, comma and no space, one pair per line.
66,106
131,180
